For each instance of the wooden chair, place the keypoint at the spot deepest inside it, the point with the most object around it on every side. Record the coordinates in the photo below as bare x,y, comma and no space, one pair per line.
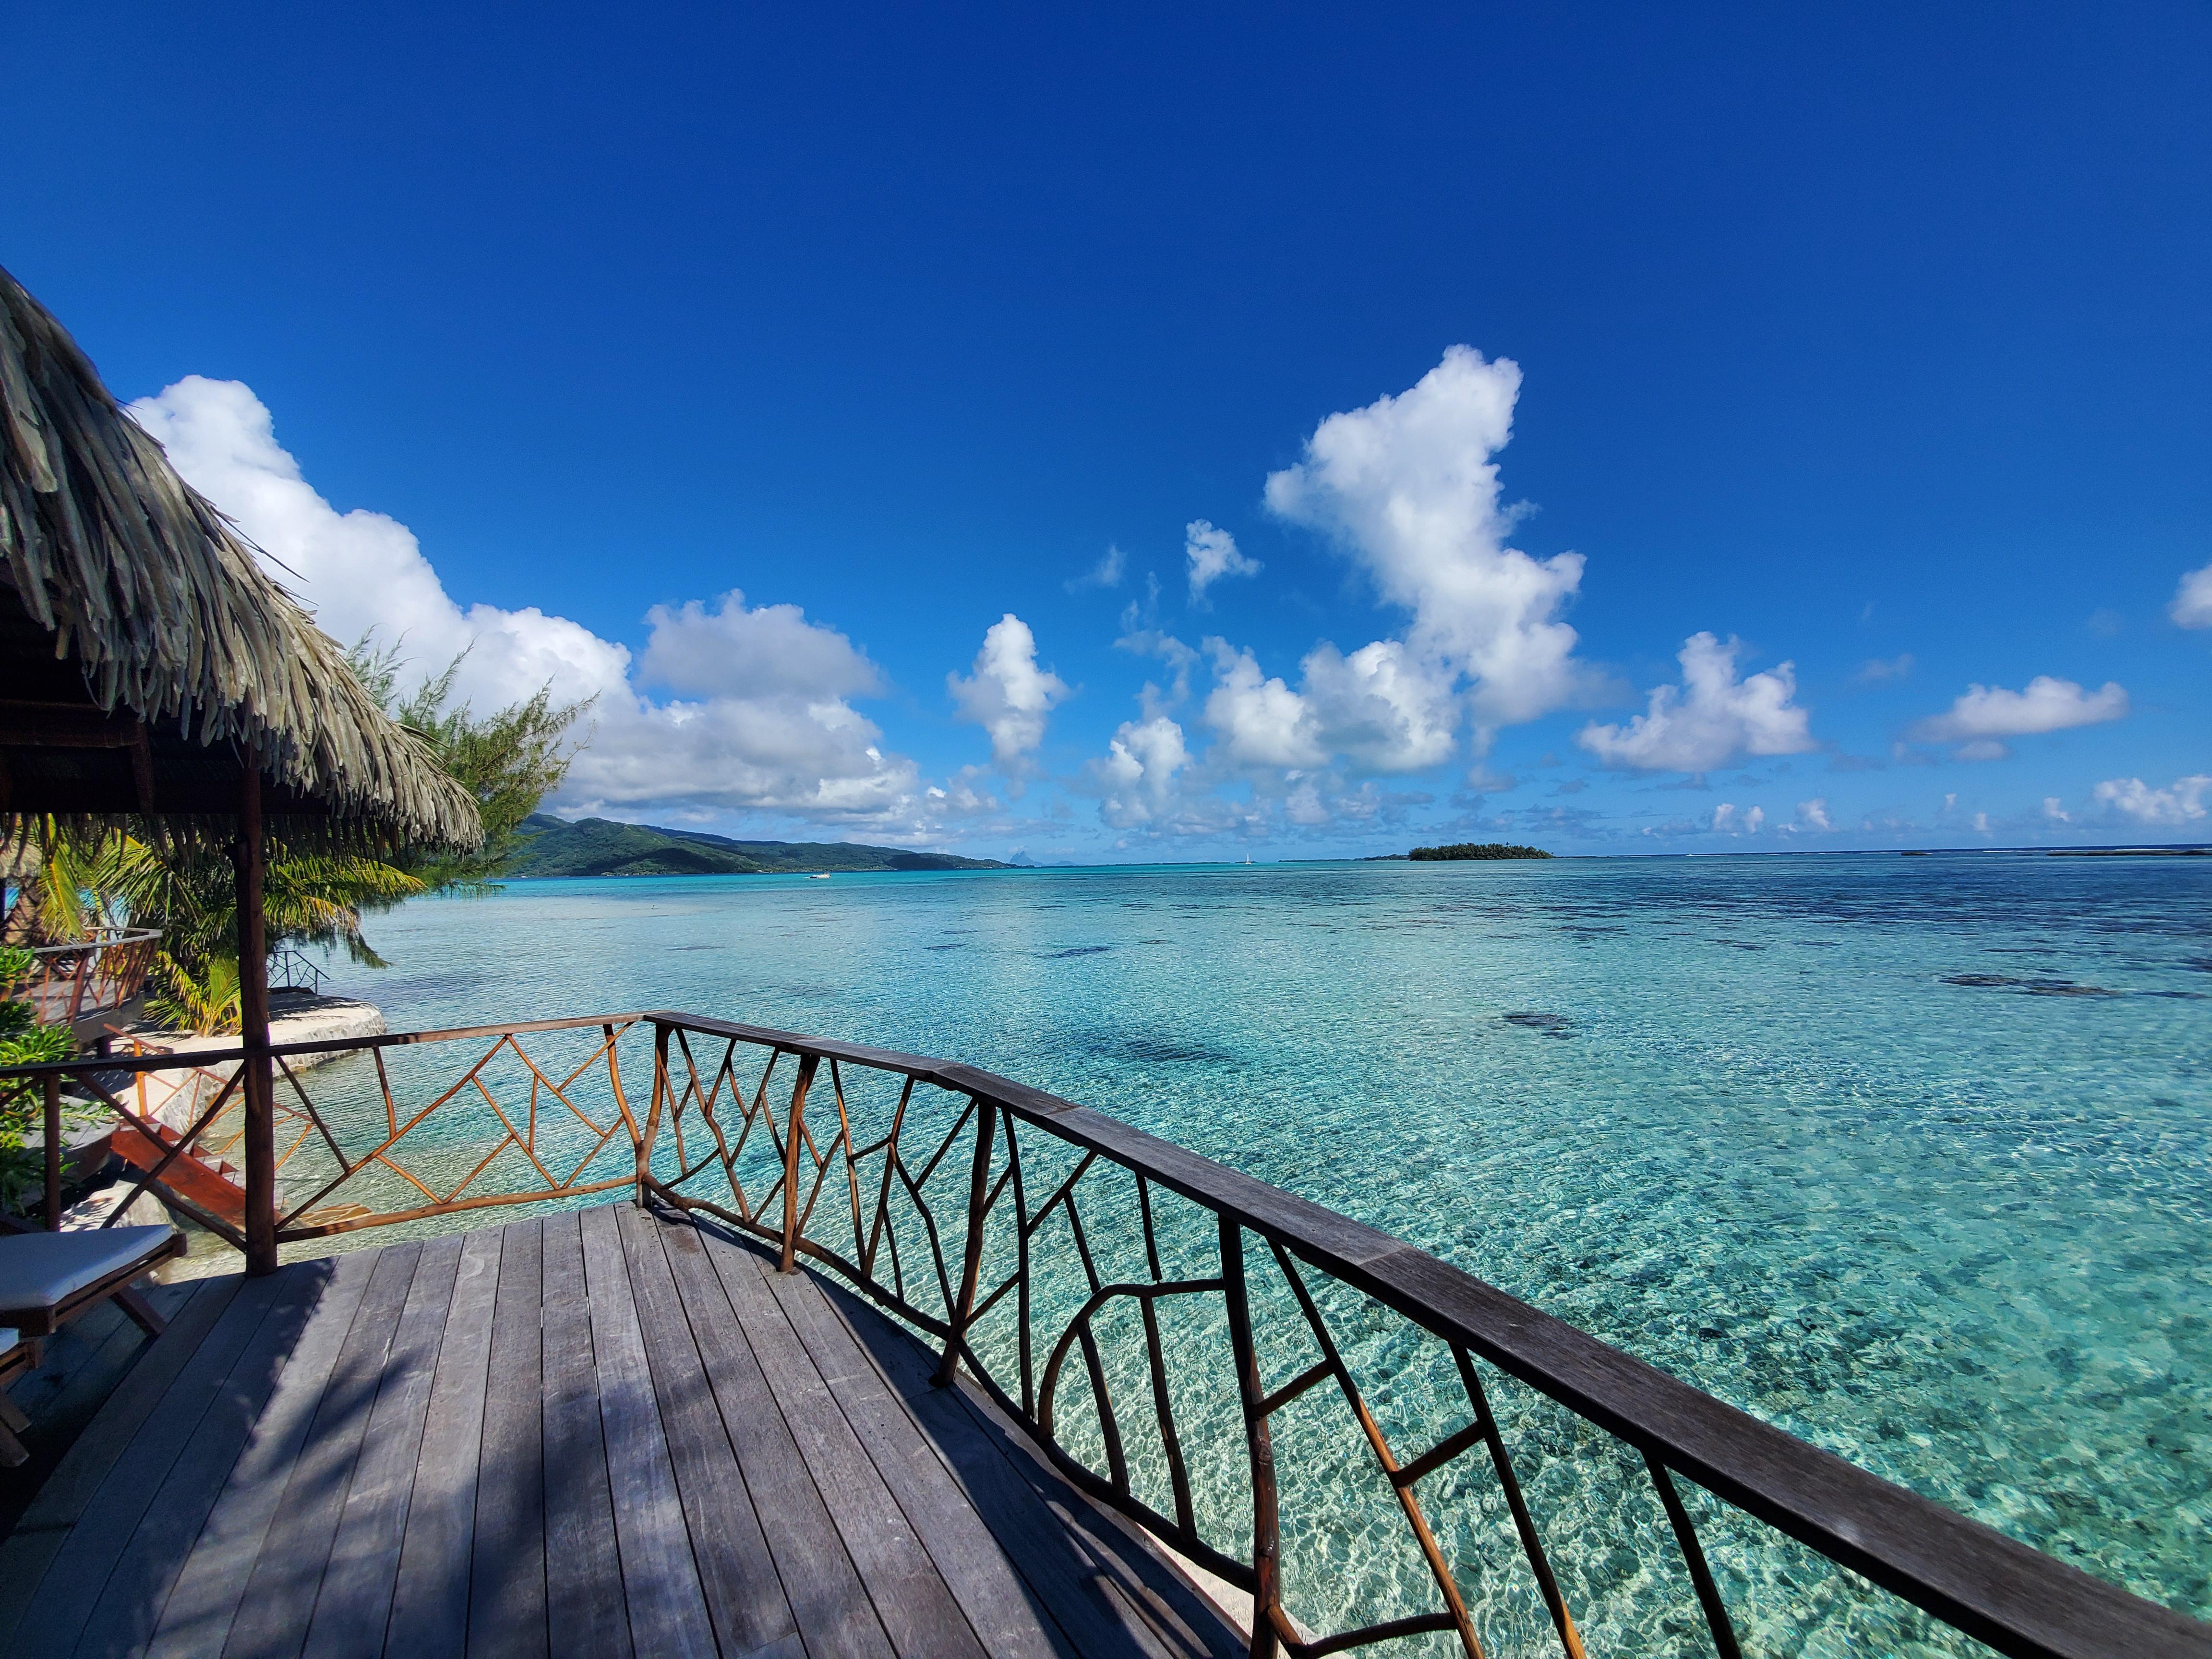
48,1278
16,1355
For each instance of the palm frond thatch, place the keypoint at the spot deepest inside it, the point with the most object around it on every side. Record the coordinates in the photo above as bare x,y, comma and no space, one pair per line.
162,604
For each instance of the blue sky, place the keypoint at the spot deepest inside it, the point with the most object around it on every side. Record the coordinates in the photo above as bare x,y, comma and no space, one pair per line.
1832,364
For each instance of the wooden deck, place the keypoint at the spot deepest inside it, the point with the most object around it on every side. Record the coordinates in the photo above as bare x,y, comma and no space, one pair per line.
600,1434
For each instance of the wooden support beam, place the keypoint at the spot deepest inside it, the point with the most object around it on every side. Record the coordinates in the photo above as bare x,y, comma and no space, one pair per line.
54,1127
259,1144
66,726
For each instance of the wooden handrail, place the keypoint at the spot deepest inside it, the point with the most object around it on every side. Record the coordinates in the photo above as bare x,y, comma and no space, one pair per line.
2016,1599
110,966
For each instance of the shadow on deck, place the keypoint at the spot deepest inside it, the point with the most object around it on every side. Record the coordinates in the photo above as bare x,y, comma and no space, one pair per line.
601,1433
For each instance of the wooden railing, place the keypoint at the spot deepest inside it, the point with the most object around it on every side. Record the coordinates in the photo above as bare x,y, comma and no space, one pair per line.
538,1112
98,975
1171,1333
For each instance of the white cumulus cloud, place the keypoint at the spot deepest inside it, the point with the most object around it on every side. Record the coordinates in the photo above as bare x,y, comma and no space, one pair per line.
1211,554
2192,600
361,570
823,761
1407,486
1260,721
760,720
1377,709
2181,803
1985,716
1007,693
1139,775
769,651
1813,814
1381,708
1710,719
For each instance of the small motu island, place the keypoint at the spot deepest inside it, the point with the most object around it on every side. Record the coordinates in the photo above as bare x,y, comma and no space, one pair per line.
1469,849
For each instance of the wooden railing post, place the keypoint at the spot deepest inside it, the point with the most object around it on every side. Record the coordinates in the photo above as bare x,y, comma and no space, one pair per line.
971,1266
793,1129
259,1143
660,1087
53,1093
86,964
1266,1589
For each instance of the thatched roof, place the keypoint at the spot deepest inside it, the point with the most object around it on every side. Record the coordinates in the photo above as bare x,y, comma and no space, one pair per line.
162,611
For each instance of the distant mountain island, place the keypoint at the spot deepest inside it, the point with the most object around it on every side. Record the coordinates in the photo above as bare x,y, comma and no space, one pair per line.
601,847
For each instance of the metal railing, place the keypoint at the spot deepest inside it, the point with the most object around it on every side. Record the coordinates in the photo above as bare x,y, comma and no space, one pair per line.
96,975
293,969
1186,1343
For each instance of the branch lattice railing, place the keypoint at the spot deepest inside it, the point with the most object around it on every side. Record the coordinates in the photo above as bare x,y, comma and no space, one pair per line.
374,1131
87,977
1032,1239
1275,1391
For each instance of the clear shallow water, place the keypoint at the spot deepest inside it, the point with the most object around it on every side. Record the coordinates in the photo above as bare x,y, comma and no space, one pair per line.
1736,1115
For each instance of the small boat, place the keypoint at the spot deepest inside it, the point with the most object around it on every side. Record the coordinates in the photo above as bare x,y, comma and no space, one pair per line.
819,875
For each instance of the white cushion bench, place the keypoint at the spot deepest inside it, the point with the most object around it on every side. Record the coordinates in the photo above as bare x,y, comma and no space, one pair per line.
47,1279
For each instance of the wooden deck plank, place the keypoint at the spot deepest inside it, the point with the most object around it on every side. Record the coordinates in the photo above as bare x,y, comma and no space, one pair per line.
603,1432
100,1338
1110,1594
279,1599
430,1597
1008,1617
660,1580
582,1618
1145,1593
82,1366
919,1611
47,1521
130,1601
73,1580
506,1568
197,1618
353,1607
836,1619
743,1595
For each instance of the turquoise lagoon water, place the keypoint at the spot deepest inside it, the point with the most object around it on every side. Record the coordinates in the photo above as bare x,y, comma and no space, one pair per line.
1907,1155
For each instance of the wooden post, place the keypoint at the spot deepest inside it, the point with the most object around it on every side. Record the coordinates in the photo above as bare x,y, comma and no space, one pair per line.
53,1089
258,1078
662,1090
794,1128
1266,1589
971,1266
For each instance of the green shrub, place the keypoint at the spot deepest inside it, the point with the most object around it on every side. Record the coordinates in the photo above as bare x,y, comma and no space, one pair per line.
23,1041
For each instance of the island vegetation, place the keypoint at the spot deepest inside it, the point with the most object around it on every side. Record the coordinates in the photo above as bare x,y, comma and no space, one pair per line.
1469,849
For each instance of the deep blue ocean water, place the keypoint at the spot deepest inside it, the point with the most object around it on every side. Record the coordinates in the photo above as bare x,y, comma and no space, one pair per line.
1911,1156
